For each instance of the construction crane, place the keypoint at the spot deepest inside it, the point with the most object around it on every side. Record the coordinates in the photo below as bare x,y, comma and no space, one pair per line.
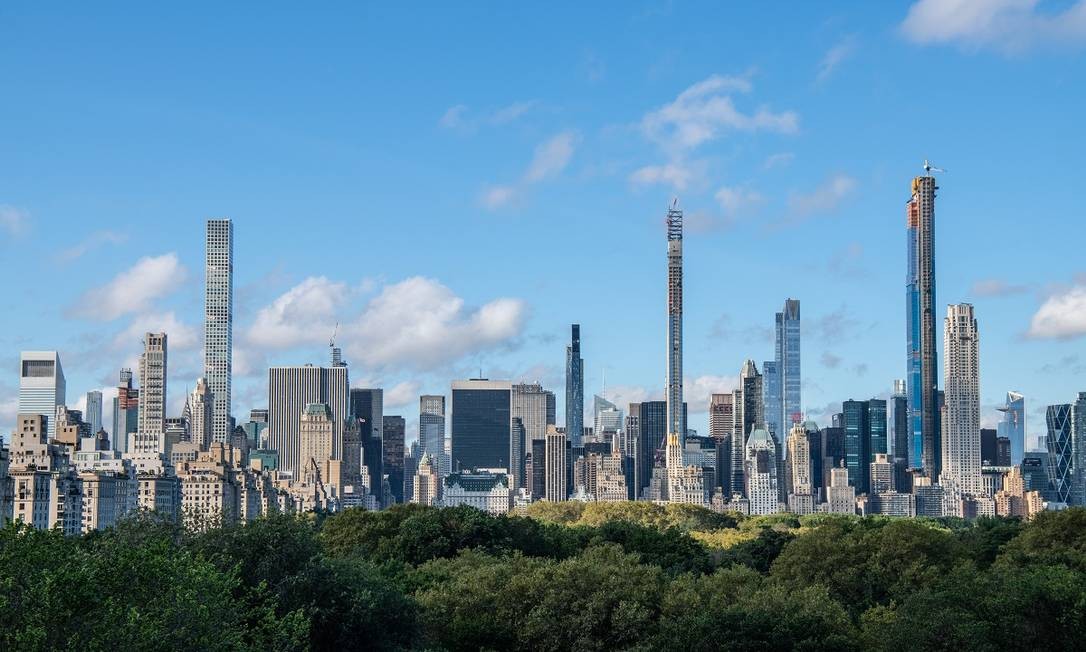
337,354
929,168
332,342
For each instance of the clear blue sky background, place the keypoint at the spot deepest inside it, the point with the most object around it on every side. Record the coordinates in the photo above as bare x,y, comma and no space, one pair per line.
460,181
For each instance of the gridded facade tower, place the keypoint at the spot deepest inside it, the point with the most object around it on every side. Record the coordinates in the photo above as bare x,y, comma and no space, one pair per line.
922,360
218,323
152,414
432,430
574,388
41,386
961,428
1061,468
676,423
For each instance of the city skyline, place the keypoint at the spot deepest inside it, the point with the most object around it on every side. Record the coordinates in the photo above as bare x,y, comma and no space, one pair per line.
111,285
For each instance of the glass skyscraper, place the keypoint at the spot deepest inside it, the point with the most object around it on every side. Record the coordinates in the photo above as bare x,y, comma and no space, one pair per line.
774,406
218,324
1013,425
432,430
368,406
481,424
575,388
788,366
1060,452
921,342
41,386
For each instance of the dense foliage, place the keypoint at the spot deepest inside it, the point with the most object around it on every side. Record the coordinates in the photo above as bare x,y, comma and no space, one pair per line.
567,577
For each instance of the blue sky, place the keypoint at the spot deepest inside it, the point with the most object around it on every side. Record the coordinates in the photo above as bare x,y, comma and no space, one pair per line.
456,183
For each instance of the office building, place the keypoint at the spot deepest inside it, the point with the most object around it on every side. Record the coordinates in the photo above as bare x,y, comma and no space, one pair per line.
960,474
575,388
393,435
799,474
315,434
93,413
676,416
1013,424
607,417
367,406
922,356
432,430
760,473
857,442
722,430
531,404
788,364
218,324
41,386
899,404
481,424
771,399
201,410
427,485
1061,453
125,411
652,437
152,413
1078,446
840,495
290,390
881,473
555,471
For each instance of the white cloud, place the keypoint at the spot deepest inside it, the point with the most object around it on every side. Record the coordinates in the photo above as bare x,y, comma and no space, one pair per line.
550,158
132,291
834,57
403,394
453,118
778,160
734,201
1006,25
15,221
823,199
676,174
91,242
705,110
421,323
512,112
1061,316
179,336
697,391
304,314
623,395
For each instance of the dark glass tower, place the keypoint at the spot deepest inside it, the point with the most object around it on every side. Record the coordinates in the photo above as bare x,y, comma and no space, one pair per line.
481,424
393,435
575,389
857,443
367,405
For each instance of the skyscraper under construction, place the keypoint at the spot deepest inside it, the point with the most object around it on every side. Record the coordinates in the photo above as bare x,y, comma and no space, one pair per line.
922,354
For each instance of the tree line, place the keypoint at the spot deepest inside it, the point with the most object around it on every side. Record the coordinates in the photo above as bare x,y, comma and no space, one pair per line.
567,576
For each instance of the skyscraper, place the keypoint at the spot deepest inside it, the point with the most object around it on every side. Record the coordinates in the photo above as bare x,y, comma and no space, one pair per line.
722,430
857,442
1078,446
555,487
392,440
575,388
481,424
606,416
432,431
1061,469
218,325
922,360
676,421
530,405
125,411
899,402
762,464
41,386
652,438
960,473
152,418
788,364
771,399
367,406
1013,425
201,414
290,390
93,413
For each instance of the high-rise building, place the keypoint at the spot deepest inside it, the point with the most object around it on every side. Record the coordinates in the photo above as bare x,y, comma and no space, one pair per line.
607,417
393,436
899,403
760,473
41,386
367,406
315,435
771,399
125,411
152,417
530,403
1013,425
751,385
799,474
201,414
93,413
676,418
481,424
555,488
427,485
432,430
857,442
575,388
1061,453
218,325
722,430
922,358
881,479
290,390
652,438
840,495
788,364
1078,446
960,474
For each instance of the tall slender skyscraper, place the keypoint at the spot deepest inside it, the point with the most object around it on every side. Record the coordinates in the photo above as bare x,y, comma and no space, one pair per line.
922,361
93,413
772,400
675,421
41,386
218,324
961,428
432,431
788,364
575,389
152,417
125,411
1013,425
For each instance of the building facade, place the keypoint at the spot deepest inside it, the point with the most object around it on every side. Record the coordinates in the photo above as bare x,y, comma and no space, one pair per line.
676,418
575,387
960,473
922,356
41,386
219,323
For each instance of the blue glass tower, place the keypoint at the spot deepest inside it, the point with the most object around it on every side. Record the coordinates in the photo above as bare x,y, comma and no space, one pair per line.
788,365
921,356
1013,425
